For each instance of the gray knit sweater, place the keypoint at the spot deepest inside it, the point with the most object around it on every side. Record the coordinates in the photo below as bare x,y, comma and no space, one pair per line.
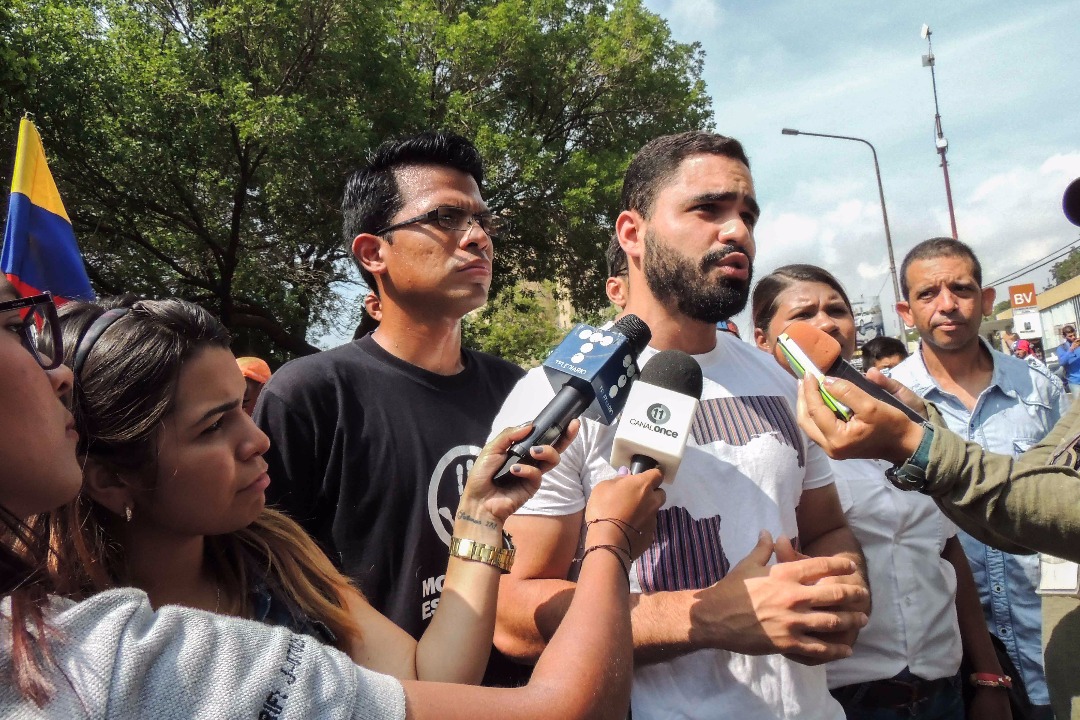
118,658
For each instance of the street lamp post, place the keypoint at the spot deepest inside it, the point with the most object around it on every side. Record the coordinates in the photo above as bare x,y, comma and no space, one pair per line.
941,143
884,213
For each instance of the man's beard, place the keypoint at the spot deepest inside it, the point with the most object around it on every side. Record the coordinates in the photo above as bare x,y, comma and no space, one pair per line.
674,278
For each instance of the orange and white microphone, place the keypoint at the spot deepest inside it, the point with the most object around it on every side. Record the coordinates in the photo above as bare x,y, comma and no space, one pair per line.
823,351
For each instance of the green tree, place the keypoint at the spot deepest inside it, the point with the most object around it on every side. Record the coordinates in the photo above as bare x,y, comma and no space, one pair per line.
520,324
201,147
1067,269
1000,307
558,96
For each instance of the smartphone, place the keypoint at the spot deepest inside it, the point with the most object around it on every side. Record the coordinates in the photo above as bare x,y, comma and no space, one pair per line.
801,365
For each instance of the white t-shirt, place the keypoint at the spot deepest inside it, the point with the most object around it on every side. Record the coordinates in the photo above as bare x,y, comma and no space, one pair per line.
913,623
745,468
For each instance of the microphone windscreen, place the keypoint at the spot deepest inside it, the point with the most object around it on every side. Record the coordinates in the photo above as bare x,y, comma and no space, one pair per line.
636,332
673,370
1070,203
819,346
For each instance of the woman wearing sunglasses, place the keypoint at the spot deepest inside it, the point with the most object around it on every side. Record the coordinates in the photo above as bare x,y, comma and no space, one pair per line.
114,654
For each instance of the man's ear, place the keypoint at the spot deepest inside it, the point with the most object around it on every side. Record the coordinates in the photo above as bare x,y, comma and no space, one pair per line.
616,289
630,229
904,309
105,487
373,306
988,297
368,250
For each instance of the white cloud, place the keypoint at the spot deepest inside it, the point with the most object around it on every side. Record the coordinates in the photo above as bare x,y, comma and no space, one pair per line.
1067,166
1014,218
691,17
1011,218
873,271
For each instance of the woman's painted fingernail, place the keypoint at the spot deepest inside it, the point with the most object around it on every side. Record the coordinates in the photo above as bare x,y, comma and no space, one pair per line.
623,470
537,450
515,468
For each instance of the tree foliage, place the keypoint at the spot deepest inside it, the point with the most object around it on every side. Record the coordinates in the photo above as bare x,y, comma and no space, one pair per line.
201,147
520,324
1067,269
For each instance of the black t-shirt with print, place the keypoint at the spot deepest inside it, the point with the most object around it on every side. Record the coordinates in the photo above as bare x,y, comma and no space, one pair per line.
369,453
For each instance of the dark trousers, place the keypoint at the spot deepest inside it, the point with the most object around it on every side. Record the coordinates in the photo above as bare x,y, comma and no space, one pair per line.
902,697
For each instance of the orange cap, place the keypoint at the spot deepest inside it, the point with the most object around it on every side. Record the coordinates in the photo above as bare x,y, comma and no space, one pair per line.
254,368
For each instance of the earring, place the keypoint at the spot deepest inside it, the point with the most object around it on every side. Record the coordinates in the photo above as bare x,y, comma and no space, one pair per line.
127,513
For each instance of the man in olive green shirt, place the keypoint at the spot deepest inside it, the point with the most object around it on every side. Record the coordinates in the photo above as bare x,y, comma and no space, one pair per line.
1031,503
1022,505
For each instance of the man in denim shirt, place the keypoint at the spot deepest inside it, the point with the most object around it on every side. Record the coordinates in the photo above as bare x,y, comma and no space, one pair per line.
987,397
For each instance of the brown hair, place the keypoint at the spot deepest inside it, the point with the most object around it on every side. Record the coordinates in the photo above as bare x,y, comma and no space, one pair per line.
935,248
658,160
27,583
126,387
766,293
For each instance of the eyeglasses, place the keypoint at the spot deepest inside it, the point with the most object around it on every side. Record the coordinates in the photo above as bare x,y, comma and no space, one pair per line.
455,218
38,328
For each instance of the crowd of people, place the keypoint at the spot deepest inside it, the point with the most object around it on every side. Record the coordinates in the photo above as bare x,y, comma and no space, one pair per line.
186,534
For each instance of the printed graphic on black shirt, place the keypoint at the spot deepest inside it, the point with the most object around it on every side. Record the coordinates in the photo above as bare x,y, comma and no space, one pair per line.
445,486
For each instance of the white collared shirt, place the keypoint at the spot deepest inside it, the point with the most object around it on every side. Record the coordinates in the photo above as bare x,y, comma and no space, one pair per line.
913,623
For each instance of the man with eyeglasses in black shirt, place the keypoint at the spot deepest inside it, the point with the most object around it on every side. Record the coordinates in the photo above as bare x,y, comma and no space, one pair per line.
371,442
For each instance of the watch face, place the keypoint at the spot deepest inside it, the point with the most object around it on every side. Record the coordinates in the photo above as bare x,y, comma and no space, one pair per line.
907,477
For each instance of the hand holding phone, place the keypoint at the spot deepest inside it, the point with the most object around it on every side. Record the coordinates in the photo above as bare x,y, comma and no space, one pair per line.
801,365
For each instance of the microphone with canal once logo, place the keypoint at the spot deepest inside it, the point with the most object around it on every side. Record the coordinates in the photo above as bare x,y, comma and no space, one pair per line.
655,423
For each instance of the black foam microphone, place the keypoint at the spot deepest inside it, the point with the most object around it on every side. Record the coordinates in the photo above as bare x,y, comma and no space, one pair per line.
655,423
1070,202
590,371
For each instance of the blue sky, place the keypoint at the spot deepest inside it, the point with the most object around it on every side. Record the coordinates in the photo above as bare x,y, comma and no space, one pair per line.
1010,106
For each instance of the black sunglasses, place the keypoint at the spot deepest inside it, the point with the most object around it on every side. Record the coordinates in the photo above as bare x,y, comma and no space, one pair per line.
455,218
39,328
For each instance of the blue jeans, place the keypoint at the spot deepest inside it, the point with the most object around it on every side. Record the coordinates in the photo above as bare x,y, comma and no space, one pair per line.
946,704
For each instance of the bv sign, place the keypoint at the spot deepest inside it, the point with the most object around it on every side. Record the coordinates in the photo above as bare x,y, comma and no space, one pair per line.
1021,296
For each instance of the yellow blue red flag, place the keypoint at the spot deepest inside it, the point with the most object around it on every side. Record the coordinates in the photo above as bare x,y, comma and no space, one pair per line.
40,252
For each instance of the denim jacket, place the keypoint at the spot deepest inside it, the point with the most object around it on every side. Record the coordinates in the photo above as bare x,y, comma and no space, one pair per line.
1019,406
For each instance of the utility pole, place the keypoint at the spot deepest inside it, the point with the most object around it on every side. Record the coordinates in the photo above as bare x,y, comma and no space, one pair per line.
941,142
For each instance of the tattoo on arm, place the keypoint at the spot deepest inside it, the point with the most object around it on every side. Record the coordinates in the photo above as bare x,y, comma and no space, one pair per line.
462,515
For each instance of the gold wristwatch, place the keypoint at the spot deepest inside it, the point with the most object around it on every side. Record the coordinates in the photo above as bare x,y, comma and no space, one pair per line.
502,558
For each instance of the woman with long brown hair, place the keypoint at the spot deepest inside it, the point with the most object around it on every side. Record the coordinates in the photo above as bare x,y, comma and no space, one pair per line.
173,499
114,654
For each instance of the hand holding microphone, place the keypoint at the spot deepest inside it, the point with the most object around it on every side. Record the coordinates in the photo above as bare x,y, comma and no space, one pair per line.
591,371
482,498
